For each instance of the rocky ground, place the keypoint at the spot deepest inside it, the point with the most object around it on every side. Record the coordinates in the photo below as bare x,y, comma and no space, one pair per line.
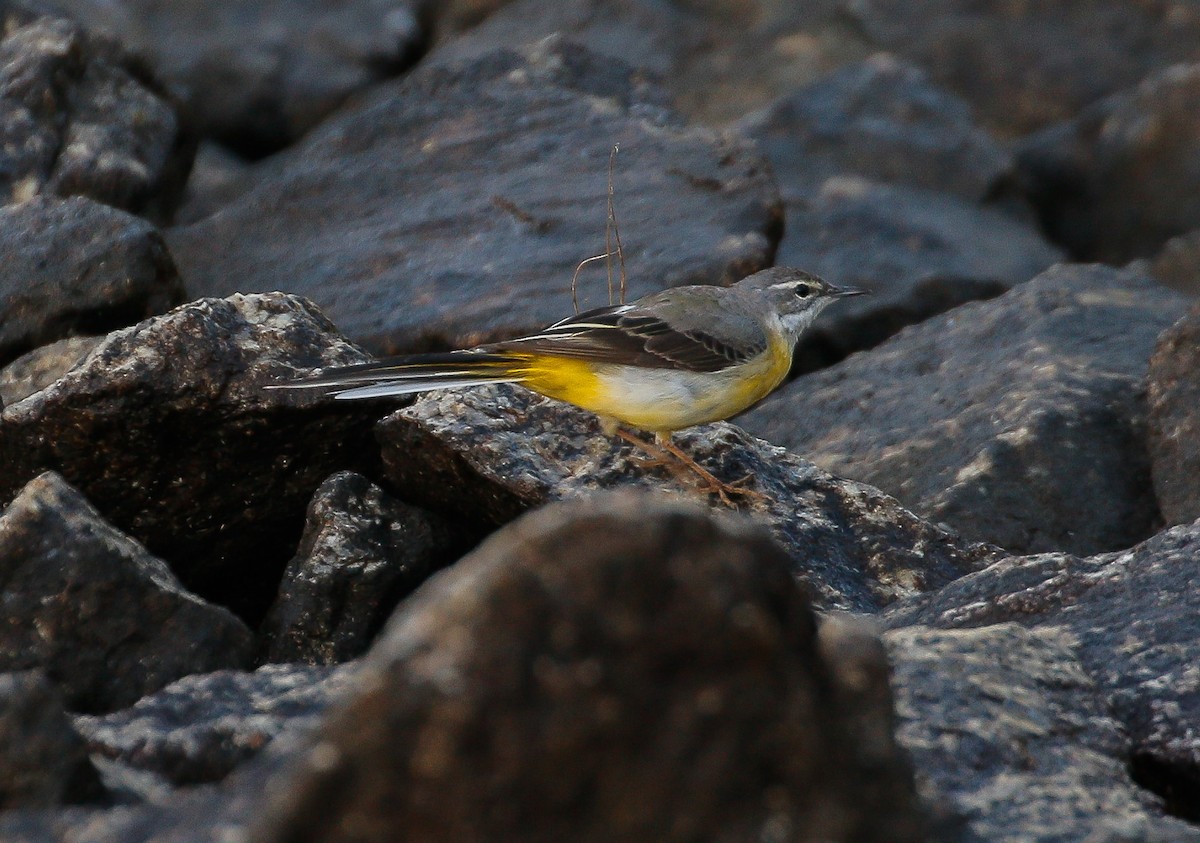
964,607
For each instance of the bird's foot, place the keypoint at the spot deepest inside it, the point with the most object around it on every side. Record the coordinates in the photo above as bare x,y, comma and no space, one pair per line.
664,452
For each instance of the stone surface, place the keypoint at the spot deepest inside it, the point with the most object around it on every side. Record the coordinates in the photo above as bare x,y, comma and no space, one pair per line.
258,75
217,178
881,119
718,60
454,205
37,369
76,266
1130,617
1173,392
1178,264
1012,740
1122,178
167,429
918,252
43,760
617,669
489,453
78,117
200,728
1025,65
1019,421
362,551
106,620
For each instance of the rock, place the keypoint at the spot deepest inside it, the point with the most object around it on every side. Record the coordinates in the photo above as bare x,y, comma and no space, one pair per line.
1178,264
719,60
918,252
1025,65
616,669
487,454
1010,737
167,428
218,177
43,761
1019,421
76,266
362,551
257,76
79,118
105,619
1122,178
413,225
35,370
200,728
1131,620
1173,392
881,119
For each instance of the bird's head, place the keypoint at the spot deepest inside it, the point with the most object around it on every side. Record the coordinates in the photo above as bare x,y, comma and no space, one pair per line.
794,295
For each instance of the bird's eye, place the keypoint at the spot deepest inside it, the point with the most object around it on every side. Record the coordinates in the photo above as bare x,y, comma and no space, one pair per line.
802,291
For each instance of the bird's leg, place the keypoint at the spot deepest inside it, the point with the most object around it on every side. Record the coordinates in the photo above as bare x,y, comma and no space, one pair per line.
658,457
663,447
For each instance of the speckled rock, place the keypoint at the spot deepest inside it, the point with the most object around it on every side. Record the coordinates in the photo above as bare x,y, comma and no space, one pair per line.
37,369
489,453
1173,391
106,621
1019,421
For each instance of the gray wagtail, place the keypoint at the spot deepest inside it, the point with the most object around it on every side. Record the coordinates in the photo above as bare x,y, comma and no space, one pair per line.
670,360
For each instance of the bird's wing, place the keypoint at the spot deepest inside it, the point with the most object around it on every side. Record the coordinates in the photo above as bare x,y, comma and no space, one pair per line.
640,335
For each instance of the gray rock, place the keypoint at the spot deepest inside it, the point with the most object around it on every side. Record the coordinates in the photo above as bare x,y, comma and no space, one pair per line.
1025,65
1178,263
362,551
1019,421
718,60
78,117
168,430
105,619
1131,619
881,119
488,454
454,205
1173,392
217,178
200,728
35,370
258,75
1122,178
918,252
1010,737
617,669
43,761
76,266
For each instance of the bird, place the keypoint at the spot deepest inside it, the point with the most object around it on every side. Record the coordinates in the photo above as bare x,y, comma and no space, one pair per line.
670,360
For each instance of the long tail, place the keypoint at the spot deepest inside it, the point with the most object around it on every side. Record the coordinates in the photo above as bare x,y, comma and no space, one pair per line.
415,373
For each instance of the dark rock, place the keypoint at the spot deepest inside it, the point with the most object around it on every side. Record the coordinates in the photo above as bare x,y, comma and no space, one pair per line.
719,60
43,761
1173,392
168,431
488,454
1132,620
454,205
616,669
1019,421
918,252
200,728
1122,178
77,117
35,370
1178,264
258,75
1009,735
1024,65
362,551
218,177
76,266
881,119
106,620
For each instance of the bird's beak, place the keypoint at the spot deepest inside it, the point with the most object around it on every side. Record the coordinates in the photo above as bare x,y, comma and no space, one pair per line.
845,292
